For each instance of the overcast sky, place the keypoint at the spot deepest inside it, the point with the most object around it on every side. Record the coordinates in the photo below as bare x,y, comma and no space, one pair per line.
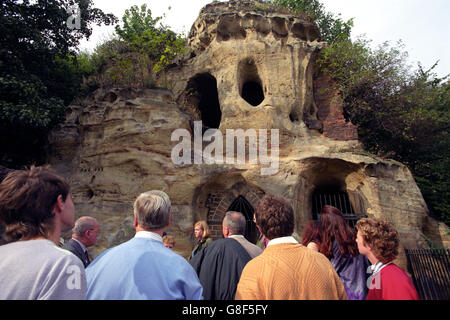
423,26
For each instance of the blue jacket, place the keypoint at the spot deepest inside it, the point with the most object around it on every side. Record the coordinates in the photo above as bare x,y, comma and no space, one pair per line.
142,269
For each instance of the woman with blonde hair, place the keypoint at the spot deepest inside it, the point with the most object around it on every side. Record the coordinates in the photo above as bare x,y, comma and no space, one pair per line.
201,232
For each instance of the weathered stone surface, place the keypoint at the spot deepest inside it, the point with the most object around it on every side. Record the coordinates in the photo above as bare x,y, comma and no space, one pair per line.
248,44
118,144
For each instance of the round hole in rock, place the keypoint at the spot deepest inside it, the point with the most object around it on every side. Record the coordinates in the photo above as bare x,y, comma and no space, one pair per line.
90,194
252,92
249,82
293,117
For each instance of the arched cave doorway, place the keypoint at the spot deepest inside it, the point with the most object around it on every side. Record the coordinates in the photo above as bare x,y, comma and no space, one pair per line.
204,88
240,204
337,198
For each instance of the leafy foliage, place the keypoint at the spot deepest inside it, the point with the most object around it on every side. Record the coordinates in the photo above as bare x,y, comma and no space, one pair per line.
116,64
140,49
36,71
400,114
141,33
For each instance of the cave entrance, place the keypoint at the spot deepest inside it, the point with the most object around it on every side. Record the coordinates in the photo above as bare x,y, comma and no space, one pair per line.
240,204
338,199
204,88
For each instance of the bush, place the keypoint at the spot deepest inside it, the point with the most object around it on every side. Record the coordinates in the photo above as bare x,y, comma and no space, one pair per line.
142,35
137,53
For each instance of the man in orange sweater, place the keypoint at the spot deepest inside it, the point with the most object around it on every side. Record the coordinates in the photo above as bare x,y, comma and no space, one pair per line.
286,270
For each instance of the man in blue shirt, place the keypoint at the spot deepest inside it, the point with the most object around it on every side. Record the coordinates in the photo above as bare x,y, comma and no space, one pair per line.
142,268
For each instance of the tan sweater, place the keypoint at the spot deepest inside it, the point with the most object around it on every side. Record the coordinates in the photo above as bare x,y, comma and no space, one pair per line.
290,272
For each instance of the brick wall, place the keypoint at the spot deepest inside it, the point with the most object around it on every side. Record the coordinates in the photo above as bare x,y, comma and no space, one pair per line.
215,221
330,110
219,202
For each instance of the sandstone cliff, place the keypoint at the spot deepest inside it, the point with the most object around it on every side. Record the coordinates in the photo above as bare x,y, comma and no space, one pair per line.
249,68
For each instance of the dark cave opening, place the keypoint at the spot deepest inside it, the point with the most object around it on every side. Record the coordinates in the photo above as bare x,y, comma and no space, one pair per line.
204,86
252,92
250,84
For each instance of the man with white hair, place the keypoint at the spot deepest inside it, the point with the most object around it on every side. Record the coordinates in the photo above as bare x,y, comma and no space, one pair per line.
233,226
143,268
219,265
84,235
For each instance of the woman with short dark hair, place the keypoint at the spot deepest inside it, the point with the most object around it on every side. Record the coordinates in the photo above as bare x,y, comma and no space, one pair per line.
35,207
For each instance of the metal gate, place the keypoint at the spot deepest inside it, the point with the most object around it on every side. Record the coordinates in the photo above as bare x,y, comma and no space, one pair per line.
430,271
340,200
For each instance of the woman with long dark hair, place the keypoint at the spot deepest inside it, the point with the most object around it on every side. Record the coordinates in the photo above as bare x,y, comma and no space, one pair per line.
311,235
338,243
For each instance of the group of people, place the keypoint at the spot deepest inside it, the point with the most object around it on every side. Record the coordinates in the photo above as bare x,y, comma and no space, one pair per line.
331,262
359,257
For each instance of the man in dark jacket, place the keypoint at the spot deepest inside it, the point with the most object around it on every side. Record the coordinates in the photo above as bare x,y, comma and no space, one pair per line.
84,235
219,265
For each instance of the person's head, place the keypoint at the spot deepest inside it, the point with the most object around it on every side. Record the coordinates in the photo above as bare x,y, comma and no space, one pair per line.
201,230
152,210
334,228
274,217
35,203
86,230
2,239
233,223
4,172
312,233
169,241
378,238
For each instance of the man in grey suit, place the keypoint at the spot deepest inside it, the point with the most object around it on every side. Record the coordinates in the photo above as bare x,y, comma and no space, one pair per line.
84,235
233,226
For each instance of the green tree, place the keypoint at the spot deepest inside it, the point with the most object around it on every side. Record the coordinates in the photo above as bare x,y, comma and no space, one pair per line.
332,27
145,36
36,81
399,113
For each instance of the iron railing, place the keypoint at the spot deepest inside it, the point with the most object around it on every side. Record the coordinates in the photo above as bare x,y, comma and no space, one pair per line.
430,271
340,200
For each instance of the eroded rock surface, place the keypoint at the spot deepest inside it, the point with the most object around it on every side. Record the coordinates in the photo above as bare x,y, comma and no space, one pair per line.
249,68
